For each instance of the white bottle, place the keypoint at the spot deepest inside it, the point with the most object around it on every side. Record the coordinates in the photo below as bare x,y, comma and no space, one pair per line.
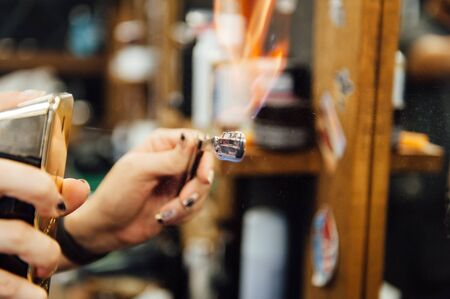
263,254
207,52
398,89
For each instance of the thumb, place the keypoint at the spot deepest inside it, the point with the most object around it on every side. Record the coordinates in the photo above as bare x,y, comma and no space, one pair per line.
166,163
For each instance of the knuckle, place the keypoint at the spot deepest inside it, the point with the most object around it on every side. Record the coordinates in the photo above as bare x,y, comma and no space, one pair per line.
45,188
8,285
159,131
19,235
129,161
54,252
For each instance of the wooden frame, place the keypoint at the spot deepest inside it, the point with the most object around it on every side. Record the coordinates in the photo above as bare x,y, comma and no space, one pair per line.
356,192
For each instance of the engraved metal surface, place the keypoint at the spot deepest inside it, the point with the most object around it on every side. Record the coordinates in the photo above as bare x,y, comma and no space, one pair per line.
230,146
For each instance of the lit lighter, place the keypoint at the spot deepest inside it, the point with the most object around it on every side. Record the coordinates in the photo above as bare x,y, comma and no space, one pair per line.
35,132
230,146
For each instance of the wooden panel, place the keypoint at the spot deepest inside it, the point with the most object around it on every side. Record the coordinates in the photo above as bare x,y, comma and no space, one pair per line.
62,63
390,25
354,47
407,162
168,79
261,162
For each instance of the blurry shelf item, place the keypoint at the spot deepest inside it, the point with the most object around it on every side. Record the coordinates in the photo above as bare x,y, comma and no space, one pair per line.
63,63
262,162
409,161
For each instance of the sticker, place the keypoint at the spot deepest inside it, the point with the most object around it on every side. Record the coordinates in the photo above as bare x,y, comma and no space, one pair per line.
337,12
345,87
325,246
332,141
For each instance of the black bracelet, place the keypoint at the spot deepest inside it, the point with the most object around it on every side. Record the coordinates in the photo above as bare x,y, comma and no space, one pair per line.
71,249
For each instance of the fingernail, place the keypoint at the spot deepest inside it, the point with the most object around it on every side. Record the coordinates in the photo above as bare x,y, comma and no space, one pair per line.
86,183
211,176
61,206
182,142
165,216
191,200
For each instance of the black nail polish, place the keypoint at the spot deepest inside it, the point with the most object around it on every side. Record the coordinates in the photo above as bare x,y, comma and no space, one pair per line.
189,202
159,218
165,216
61,206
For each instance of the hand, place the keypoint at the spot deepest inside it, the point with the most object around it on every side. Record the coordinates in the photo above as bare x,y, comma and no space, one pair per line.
138,196
10,99
33,186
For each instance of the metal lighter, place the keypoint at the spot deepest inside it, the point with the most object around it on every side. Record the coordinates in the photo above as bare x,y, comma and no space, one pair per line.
229,146
35,132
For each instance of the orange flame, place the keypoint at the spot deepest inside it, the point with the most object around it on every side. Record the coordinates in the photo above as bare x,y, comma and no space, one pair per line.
261,60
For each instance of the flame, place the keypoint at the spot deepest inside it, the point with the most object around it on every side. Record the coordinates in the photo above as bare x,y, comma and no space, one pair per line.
257,30
262,57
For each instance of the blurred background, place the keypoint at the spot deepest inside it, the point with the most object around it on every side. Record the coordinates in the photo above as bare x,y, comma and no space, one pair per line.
134,66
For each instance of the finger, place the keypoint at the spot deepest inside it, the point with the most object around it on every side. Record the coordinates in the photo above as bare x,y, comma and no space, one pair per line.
14,287
205,171
164,163
75,193
188,203
30,245
167,139
30,185
11,99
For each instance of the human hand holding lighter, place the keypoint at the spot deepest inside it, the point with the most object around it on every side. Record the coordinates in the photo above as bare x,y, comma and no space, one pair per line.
165,181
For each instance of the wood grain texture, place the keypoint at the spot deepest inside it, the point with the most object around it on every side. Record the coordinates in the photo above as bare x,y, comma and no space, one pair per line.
60,62
353,46
258,162
425,163
380,162
262,162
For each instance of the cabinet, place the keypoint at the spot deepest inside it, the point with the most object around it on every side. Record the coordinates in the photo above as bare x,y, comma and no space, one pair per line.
365,45
360,37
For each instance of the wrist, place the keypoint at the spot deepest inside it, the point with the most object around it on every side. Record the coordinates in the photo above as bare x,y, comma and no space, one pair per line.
88,232
72,250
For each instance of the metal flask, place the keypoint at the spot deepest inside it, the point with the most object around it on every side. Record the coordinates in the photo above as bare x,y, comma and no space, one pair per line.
35,132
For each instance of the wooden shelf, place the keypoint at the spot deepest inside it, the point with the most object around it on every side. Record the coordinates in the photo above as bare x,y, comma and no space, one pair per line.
417,162
63,63
261,162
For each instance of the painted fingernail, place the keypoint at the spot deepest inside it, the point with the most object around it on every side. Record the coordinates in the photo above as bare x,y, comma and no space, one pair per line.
191,200
61,206
211,176
182,142
165,216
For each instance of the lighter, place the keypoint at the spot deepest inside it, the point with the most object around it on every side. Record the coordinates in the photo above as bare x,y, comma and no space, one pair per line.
230,146
35,132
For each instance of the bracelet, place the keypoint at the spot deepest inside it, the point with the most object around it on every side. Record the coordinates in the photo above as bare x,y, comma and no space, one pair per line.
71,249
